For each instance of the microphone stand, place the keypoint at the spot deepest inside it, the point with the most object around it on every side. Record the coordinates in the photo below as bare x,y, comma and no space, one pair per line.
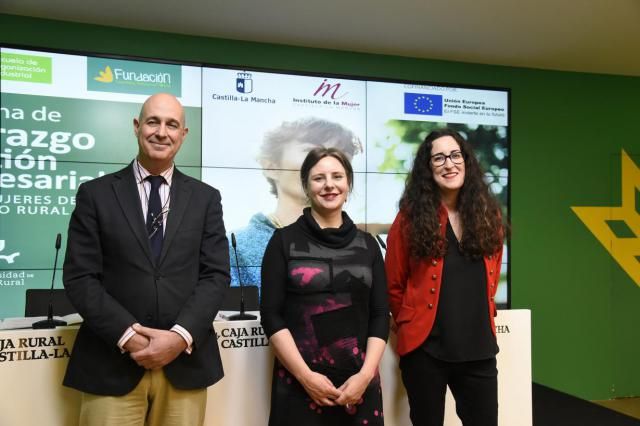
50,322
242,315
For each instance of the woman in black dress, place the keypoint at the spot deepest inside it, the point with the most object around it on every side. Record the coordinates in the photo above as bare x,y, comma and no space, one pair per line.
324,307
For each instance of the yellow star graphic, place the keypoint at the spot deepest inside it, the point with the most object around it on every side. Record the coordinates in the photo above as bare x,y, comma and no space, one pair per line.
625,249
105,76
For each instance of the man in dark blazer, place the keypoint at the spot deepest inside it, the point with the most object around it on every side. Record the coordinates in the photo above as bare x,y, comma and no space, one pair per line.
146,351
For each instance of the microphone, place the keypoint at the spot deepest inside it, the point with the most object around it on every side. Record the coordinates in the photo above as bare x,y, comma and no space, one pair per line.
382,244
50,322
242,315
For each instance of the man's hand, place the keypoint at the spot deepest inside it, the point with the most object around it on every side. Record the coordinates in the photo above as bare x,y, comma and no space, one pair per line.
136,343
164,346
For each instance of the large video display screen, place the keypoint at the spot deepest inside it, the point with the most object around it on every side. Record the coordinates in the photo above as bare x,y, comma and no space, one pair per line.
68,118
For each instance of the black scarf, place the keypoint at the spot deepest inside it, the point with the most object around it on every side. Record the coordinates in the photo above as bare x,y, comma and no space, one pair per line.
329,237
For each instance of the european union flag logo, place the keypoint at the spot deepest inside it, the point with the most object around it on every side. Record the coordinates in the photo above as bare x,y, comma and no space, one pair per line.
422,104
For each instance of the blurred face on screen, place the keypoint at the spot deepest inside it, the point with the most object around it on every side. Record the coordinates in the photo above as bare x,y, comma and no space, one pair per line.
160,131
328,186
448,175
287,179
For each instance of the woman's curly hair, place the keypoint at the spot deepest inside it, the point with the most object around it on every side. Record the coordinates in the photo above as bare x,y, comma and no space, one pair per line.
482,228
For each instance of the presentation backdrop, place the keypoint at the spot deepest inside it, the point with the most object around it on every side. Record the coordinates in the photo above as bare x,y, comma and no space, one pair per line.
67,119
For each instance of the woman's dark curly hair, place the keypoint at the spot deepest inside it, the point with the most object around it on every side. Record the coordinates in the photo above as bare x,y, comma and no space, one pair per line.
482,228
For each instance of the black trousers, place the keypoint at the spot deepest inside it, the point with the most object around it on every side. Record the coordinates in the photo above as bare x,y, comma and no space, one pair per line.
474,385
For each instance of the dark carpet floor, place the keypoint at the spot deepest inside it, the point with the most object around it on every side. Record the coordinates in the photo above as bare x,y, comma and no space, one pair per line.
554,408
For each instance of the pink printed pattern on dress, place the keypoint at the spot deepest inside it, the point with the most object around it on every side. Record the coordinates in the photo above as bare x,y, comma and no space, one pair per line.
307,273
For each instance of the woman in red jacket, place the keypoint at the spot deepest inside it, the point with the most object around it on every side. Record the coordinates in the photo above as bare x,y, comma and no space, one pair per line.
443,259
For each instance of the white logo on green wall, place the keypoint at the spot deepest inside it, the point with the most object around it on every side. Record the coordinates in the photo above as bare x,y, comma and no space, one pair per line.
8,257
27,68
142,78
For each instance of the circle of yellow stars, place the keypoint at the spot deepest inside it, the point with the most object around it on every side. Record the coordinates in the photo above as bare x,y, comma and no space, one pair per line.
425,98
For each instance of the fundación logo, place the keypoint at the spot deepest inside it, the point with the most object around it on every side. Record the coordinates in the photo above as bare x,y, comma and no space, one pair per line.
105,76
140,78
618,227
422,104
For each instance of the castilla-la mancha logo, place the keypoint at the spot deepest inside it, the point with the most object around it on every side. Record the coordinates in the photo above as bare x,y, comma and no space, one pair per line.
244,83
